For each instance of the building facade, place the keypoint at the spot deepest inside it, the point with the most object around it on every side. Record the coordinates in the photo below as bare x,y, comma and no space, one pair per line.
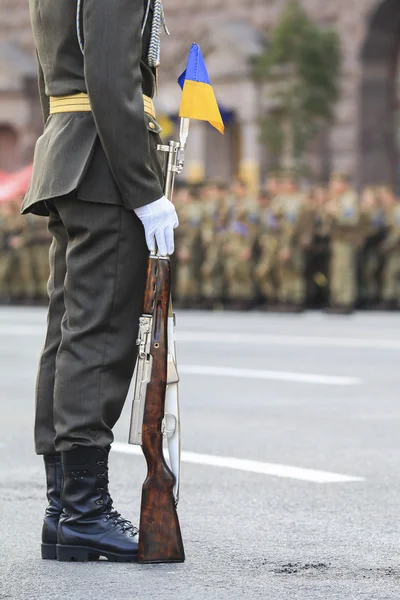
363,141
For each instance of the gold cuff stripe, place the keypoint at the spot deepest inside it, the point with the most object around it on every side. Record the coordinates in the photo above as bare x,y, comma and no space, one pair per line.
81,103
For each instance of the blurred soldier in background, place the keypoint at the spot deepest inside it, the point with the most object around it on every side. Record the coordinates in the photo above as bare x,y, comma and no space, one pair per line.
212,237
391,251
345,240
188,255
241,199
372,226
238,249
15,272
237,235
268,247
295,237
38,243
24,263
317,255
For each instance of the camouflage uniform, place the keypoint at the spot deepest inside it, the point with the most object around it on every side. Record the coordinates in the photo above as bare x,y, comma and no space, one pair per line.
15,272
268,247
240,221
317,267
37,247
212,237
391,266
238,248
345,240
295,235
188,253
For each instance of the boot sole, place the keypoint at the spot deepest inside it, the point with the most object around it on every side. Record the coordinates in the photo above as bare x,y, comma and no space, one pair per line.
49,552
84,554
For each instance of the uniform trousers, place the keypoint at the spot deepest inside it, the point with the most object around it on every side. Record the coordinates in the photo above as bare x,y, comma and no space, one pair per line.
390,276
343,273
98,259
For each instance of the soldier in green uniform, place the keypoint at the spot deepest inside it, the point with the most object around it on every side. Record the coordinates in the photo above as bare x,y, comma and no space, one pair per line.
237,252
37,246
189,251
212,236
390,248
317,262
295,237
240,222
268,248
372,225
15,271
24,268
245,202
344,213
239,198
98,177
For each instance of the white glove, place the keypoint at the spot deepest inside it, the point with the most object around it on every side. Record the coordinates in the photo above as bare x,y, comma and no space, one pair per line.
159,220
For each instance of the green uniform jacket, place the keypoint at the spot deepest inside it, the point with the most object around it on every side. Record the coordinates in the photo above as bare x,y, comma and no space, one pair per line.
108,155
346,222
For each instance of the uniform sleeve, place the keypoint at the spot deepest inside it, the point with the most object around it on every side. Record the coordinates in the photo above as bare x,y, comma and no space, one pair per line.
44,101
113,48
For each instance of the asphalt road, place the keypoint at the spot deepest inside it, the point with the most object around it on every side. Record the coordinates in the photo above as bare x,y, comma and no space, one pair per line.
291,477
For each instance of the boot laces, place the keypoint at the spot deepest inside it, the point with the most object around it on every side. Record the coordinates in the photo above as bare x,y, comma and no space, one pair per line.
106,501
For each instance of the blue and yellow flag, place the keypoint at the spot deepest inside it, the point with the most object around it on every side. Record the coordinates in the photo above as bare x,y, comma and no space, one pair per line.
198,98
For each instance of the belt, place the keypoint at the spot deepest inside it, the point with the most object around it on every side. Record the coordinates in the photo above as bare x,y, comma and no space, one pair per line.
81,103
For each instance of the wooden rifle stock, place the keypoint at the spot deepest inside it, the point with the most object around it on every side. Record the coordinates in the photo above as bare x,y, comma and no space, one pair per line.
160,537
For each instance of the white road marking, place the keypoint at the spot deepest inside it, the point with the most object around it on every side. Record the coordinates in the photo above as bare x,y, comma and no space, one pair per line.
256,339
24,330
250,466
268,375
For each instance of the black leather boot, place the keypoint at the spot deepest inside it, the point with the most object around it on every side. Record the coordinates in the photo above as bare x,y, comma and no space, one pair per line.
89,526
54,479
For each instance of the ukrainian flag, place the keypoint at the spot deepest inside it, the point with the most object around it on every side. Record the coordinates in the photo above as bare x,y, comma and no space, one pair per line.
198,98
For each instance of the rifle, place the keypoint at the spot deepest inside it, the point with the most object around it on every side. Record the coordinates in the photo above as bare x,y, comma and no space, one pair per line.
155,409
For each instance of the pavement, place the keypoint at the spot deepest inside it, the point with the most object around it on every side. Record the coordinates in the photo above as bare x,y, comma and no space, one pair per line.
291,473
